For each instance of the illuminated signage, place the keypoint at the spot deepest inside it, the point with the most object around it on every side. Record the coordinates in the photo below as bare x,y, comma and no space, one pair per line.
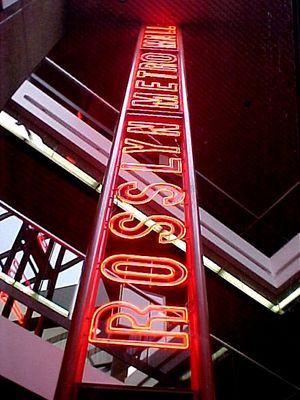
137,326
156,294
130,193
144,270
152,141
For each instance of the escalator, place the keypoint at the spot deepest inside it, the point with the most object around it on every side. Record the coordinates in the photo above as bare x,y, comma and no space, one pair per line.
40,275
47,313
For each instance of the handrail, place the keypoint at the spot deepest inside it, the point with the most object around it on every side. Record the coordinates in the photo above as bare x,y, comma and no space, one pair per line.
251,360
148,298
51,89
69,247
38,227
59,68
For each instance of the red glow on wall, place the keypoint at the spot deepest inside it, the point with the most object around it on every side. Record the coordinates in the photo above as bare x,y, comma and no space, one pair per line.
71,160
16,309
42,241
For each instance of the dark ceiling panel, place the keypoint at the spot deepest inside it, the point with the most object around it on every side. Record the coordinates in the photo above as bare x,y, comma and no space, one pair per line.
28,30
45,193
243,101
241,81
240,61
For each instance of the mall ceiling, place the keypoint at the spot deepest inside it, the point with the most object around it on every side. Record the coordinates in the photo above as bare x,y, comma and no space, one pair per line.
241,62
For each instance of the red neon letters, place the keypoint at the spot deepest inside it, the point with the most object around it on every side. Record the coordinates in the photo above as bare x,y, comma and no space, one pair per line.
146,328
144,270
171,194
152,144
121,225
174,166
153,128
137,146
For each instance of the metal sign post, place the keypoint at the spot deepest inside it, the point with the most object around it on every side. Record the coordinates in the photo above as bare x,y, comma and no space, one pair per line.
153,147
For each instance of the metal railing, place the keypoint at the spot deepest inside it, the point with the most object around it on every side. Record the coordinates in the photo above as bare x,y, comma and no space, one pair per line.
39,272
32,271
32,260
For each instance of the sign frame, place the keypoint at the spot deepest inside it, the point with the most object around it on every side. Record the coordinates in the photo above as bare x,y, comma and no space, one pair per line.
164,41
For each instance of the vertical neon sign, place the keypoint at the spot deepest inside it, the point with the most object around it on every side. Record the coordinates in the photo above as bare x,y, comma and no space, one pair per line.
153,136
148,133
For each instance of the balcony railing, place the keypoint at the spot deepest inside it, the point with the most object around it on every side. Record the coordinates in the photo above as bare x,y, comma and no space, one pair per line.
38,281
39,272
